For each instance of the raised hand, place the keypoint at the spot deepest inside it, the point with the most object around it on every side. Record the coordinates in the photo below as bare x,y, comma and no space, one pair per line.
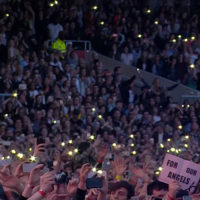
34,178
174,187
85,169
72,187
119,165
47,181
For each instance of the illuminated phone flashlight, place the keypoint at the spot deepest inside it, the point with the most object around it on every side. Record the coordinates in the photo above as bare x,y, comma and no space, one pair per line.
183,106
192,66
179,36
70,142
51,4
187,137
7,15
94,169
180,127
62,144
168,150
30,149
172,149
174,40
95,7
92,137
148,11
131,136
177,151
6,115
14,94
185,40
162,146
138,70
157,173
99,171
7,157
139,35
134,152
156,22
100,116
75,150
20,155
2,158
102,23
160,169
114,144
54,122
193,38
70,153
132,145
186,145
32,158
93,109
13,151
188,106
169,140
56,2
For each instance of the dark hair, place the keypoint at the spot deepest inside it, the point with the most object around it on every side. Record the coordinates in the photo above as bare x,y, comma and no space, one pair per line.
156,185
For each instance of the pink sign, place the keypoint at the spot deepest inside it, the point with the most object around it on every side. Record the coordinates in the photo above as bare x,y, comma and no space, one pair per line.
185,172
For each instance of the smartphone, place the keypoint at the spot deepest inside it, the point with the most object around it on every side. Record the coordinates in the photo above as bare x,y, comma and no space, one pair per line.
187,198
28,167
61,178
40,141
94,183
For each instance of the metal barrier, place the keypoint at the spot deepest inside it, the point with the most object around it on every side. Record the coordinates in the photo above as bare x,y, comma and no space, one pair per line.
80,44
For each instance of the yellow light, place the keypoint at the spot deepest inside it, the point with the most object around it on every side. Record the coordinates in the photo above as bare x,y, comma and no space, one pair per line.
51,4
93,109
131,136
100,116
134,152
100,171
7,15
138,69
132,145
92,137
179,36
13,151
186,145
148,11
54,121
14,94
94,169
6,115
169,140
8,157
174,40
75,150
173,149
180,127
192,66
193,38
56,2
177,151
139,35
168,151
30,149
94,7
162,146
102,23
114,144
3,158
157,172
70,153
160,169
70,142
187,137
156,22
62,144
188,105
182,106
20,155
185,40
32,158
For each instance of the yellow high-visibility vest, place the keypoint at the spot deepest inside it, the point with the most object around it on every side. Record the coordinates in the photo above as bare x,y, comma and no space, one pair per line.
59,45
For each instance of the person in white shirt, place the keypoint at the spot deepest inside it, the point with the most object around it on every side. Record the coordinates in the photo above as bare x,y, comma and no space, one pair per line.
126,57
54,29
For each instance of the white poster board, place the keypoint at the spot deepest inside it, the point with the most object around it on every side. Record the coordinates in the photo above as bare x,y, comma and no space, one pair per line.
185,172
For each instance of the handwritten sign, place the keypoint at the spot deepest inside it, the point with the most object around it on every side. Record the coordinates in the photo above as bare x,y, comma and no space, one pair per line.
185,172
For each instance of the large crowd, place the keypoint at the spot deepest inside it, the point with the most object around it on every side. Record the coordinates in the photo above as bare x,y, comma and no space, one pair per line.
65,118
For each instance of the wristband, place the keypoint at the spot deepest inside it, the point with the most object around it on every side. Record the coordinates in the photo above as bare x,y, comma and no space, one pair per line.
170,198
42,193
118,178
